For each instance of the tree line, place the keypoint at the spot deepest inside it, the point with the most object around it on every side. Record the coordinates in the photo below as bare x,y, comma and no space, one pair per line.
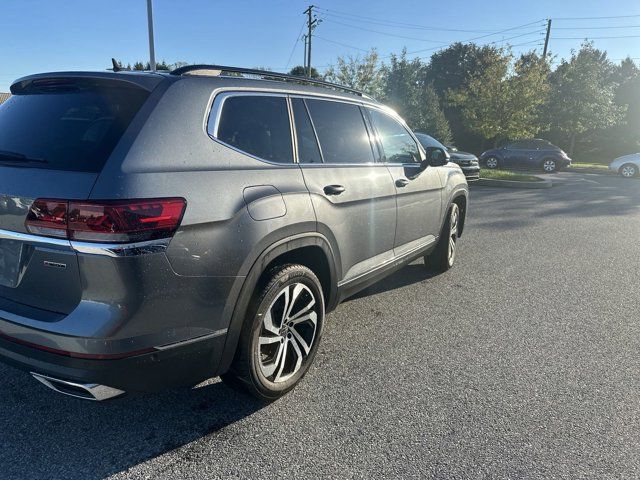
482,96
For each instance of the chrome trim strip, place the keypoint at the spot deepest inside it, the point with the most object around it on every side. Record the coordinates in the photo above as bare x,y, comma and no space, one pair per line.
182,343
106,249
95,392
394,261
121,249
36,240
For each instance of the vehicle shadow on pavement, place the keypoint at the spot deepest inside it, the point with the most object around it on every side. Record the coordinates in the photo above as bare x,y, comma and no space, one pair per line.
47,435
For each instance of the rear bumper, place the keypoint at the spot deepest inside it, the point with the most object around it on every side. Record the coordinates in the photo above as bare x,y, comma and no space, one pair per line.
182,364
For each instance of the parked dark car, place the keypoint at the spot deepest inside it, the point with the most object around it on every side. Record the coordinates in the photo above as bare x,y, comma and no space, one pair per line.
159,229
533,154
468,162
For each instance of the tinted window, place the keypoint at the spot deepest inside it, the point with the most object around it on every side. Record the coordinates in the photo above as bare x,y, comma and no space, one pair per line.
72,128
520,145
341,132
258,125
398,145
308,151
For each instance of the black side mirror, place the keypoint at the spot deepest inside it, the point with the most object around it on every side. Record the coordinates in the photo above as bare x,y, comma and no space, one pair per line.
436,157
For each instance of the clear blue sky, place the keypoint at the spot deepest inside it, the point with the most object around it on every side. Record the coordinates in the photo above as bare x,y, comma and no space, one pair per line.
50,35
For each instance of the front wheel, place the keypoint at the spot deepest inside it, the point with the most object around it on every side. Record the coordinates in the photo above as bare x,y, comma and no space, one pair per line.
444,255
491,163
629,170
549,165
280,338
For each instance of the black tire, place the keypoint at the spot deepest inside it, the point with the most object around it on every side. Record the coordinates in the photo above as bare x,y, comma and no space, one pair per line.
492,163
628,170
260,348
549,165
441,258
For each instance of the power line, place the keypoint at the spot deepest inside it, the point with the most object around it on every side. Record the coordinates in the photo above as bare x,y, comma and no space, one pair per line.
384,33
597,28
295,45
392,24
597,18
341,44
595,38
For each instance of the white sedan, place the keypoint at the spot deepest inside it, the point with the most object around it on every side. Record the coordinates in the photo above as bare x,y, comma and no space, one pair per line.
628,166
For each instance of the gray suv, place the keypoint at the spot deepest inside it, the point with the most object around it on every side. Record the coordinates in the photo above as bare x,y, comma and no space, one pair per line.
157,230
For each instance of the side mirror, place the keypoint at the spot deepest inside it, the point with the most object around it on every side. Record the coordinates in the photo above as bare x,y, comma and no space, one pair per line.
436,157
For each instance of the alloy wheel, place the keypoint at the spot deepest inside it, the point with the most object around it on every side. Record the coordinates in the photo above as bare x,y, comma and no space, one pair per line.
492,162
453,233
629,171
549,166
287,332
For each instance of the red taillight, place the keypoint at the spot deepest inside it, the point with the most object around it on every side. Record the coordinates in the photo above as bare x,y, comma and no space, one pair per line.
106,221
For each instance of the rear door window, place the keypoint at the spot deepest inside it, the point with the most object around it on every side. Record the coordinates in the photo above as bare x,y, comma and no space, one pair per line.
258,125
70,126
341,131
308,151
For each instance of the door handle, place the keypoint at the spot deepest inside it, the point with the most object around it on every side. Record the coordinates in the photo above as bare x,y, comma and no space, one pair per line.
402,182
334,189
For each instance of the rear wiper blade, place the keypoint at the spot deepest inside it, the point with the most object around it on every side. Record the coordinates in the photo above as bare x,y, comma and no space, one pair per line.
6,156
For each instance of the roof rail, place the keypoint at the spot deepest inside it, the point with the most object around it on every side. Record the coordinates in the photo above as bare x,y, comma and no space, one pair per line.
266,74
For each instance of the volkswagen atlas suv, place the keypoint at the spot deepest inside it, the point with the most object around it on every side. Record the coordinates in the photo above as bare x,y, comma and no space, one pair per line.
158,230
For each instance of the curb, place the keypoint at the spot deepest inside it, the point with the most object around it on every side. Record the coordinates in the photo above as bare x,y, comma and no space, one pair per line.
589,170
490,182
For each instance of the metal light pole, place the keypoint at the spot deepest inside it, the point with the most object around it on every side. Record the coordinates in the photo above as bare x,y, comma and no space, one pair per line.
152,50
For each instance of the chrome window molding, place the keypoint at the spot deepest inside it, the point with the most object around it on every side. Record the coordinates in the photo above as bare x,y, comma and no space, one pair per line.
213,122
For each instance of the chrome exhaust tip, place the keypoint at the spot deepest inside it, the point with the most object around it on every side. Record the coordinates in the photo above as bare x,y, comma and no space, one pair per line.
85,391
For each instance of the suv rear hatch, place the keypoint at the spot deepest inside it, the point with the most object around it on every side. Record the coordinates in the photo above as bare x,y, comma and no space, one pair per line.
56,134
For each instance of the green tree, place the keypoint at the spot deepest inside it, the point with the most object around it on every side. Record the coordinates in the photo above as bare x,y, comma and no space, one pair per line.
300,71
451,69
430,118
583,94
504,100
360,72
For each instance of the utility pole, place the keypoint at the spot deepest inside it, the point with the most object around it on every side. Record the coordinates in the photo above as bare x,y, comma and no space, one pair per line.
152,50
546,39
311,24
305,54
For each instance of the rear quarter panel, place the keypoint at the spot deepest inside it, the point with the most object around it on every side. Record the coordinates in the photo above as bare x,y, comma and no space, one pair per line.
218,240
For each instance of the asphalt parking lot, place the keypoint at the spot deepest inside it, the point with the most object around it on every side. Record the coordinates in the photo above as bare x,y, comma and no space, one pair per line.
521,362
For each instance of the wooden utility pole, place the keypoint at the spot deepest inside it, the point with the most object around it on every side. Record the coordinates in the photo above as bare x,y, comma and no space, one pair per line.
546,39
311,24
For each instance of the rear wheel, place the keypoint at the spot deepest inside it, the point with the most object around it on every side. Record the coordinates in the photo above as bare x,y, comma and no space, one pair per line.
492,163
279,339
629,170
444,255
549,165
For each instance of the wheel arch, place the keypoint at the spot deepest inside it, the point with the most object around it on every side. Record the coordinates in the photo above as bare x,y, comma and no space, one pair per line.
460,197
312,250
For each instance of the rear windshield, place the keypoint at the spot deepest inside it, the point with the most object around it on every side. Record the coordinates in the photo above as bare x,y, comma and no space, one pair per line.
66,130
